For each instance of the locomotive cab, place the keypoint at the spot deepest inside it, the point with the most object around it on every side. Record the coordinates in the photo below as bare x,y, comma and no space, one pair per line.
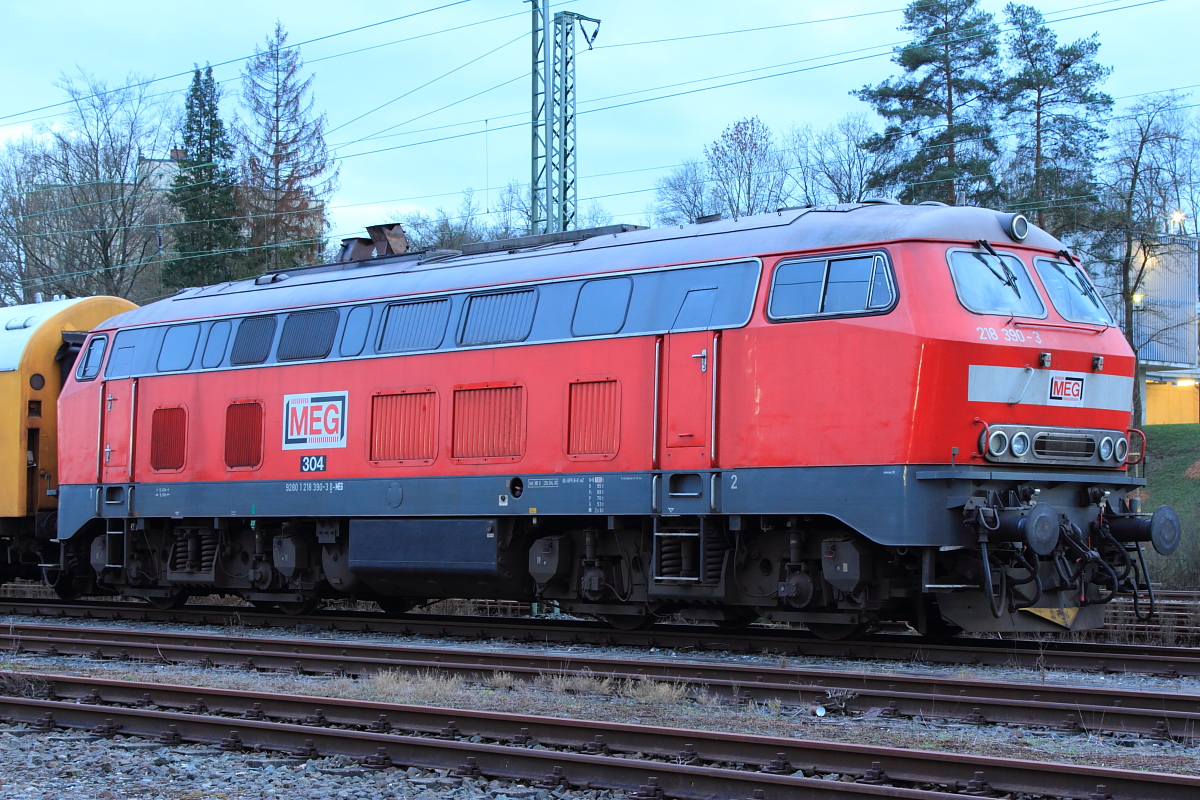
830,417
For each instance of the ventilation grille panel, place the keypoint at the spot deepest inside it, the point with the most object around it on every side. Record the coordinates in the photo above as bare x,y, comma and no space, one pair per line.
168,438
307,334
414,326
404,426
498,318
489,422
592,427
252,344
243,435
1072,446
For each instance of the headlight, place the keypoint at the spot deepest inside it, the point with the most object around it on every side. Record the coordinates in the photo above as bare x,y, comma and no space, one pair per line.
997,443
1121,450
1020,444
1106,449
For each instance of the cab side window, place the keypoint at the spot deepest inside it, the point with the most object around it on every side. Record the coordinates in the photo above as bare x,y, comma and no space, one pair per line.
93,357
856,284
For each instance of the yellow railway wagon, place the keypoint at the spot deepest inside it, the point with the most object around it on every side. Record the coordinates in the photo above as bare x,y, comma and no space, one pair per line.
36,350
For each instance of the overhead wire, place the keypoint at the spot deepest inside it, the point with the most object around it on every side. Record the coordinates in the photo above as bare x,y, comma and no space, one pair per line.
1148,2
150,81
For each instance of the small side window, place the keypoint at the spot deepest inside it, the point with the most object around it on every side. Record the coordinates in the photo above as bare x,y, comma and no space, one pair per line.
797,290
354,337
252,344
214,348
178,348
859,284
601,307
93,357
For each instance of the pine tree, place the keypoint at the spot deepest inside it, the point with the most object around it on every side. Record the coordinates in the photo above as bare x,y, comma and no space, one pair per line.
939,111
1054,103
287,173
209,240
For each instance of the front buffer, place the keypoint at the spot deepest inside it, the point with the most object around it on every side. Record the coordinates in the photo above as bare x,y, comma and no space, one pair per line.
1049,551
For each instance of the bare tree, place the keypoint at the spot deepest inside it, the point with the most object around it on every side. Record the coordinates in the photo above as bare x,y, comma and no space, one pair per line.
83,208
748,172
287,173
512,217
1142,182
686,194
833,165
447,229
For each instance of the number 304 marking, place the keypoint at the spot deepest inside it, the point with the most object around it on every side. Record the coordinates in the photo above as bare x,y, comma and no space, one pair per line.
312,463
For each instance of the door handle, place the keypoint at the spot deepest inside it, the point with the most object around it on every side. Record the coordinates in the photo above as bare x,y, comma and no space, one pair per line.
110,399
703,356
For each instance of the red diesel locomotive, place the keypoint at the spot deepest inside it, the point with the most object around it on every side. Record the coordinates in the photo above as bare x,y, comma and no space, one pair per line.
828,416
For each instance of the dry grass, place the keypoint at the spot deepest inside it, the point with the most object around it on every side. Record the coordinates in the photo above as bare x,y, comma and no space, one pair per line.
501,680
652,692
427,687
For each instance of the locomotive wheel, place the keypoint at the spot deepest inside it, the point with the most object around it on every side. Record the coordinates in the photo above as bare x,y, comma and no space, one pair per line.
737,622
395,606
300,607
177,600
837,631
629,622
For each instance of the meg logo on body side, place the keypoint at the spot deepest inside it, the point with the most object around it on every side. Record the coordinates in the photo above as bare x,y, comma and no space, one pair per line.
1066,390
314,420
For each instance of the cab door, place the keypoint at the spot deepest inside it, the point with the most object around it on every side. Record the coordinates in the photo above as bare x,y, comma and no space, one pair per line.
690,380
118,410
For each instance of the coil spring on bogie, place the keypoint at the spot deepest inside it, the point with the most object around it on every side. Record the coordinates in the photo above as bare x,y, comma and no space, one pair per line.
715,548
670,557
180,561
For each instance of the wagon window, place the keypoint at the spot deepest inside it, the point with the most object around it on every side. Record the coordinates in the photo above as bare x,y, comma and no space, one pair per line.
498,318
89,367
252,344
601,307
854,285
178,348
1072,293
307,335
987,284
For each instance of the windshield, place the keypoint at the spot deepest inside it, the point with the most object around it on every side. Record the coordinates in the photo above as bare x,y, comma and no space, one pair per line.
1072,293
991,284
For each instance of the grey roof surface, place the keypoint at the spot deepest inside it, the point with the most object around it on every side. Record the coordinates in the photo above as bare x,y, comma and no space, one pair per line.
780,232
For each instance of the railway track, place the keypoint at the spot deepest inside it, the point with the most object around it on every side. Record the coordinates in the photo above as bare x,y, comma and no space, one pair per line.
646,762
1070,708
1027,653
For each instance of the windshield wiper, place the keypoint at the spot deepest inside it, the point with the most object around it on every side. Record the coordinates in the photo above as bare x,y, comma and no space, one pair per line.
1009,278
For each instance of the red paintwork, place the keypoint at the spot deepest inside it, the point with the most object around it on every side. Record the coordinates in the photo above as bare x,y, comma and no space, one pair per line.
889,389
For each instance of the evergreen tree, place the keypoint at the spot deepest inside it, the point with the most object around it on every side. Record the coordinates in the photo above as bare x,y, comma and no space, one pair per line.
938,112
209,239
1054,103
287,173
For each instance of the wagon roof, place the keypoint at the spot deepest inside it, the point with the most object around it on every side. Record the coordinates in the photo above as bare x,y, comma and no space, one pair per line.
422,273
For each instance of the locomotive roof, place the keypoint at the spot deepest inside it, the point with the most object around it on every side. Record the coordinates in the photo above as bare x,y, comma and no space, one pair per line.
431,272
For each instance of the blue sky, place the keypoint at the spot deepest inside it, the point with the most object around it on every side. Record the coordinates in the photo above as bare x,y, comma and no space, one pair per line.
1151,46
